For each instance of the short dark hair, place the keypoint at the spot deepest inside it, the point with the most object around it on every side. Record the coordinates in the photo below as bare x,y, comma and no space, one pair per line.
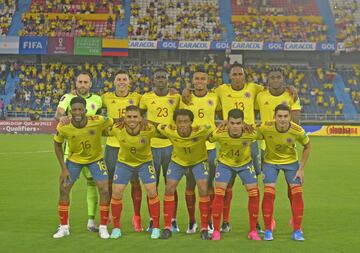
121,71
282,107
183,112
84,72
276,69
160,70
132,108
200,70
79,100
236,114
236,65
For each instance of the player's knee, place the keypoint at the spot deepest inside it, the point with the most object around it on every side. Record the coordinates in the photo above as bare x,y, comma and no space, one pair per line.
170,189
203,190
64,191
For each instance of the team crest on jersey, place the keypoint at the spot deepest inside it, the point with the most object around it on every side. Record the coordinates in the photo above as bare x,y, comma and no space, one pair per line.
244,143
247,94
210,102
142,140
289,140
171,101
131,102
93,106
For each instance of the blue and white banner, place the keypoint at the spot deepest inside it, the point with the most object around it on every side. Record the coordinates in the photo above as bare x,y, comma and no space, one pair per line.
170,45
33,45
220,45
194,45
326,47
299,46
247,45
273,46
9,45
143,44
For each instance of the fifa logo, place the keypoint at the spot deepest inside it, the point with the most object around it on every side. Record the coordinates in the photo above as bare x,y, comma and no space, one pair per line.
61,40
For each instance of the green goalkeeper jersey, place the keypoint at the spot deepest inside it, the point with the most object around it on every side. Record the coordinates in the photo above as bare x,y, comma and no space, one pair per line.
93,104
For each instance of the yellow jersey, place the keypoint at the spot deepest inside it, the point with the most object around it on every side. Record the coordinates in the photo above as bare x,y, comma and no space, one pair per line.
234,152
187,151
243,99
134,149
204,110
160,109
115,107
84,143
280,147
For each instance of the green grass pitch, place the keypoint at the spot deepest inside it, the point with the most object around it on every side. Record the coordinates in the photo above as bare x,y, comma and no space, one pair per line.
29,193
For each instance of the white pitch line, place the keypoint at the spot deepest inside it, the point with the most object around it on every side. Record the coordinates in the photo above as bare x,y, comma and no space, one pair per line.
26,152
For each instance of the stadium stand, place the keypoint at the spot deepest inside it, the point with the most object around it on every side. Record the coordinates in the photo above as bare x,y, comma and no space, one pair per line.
7,11
347,20
278,21
175,20
351,78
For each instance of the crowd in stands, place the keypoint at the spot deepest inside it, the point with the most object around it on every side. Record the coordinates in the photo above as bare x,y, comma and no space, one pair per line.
175,20
275,7
68,26
347,19
351,77
77,6
265,29
7,11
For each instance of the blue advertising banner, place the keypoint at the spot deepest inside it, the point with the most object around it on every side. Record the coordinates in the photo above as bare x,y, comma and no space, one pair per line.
9,45
170,45
299,46
273,46
246,45
194,45
33,45
143,44
219,45
325,46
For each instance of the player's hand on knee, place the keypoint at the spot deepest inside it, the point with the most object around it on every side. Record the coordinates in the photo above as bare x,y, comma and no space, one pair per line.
300,175
65,120
65,177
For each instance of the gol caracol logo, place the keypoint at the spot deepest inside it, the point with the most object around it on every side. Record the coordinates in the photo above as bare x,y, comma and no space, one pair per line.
341,130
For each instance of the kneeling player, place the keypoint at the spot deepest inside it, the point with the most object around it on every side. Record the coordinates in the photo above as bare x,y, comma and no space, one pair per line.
189,155
134,159
235,157
280,154
83,135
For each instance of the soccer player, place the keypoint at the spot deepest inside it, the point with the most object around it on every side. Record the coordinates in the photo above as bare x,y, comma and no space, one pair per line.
276,93
189,156
239,95
160,105
235,158
115,104
280,154
83,135
93,107
134,158
204,105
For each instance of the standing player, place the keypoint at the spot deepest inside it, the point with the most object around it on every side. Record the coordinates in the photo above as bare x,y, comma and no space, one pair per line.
204,105
240,95
134,158
235,157
93,107
269,98
189,156
280,154
84,141
115,104
160,105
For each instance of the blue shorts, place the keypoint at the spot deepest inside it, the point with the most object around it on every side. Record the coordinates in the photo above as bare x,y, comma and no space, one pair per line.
123,173
271,172
246,172
162,158
212,163
97,170
177,171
